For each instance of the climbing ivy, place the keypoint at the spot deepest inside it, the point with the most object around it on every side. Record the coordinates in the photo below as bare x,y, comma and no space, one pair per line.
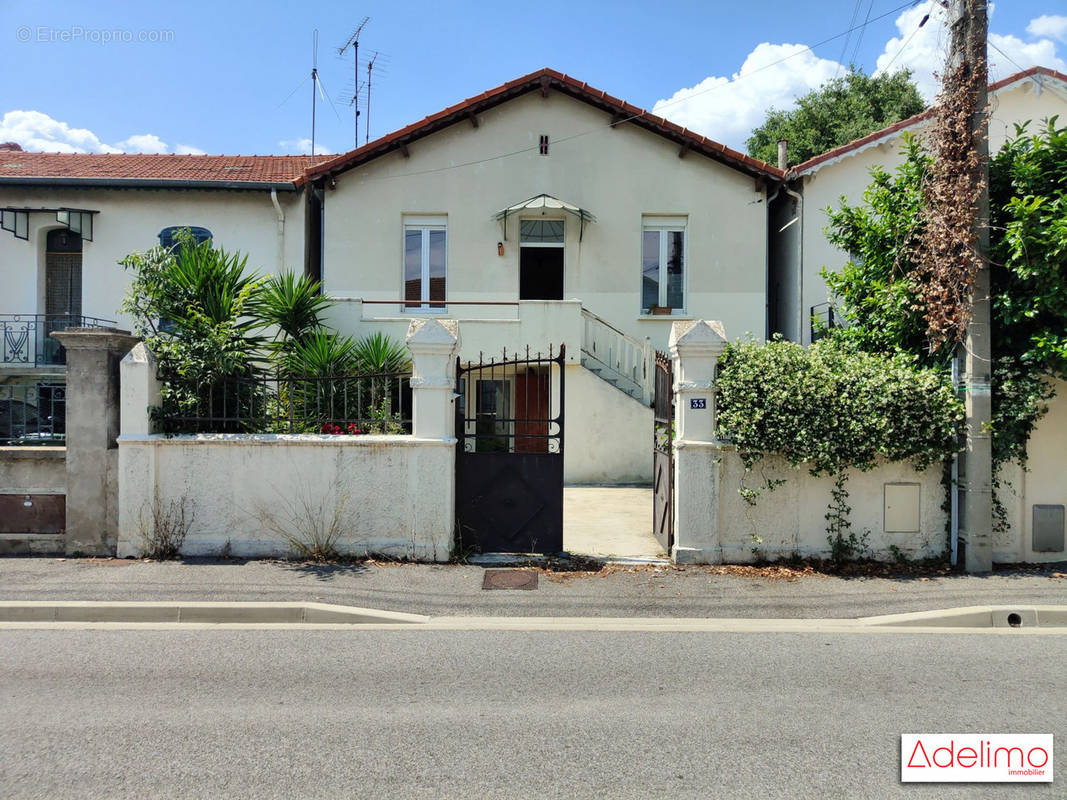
834,407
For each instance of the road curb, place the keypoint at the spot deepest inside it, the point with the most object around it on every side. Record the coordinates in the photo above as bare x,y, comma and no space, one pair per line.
200,612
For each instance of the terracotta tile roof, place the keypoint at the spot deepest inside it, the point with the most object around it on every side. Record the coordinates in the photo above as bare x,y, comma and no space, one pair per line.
544,80
857,144
141,169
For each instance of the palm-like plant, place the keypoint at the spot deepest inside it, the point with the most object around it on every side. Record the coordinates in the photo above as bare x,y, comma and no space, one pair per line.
293,305
377,353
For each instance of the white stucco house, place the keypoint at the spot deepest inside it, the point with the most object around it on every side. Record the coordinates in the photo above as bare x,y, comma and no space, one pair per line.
539,213
800,250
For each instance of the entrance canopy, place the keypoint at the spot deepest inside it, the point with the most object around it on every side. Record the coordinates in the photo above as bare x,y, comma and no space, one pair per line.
545,202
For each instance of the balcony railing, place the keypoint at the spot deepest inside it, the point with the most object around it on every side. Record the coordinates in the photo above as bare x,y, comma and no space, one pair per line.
823,319
25,339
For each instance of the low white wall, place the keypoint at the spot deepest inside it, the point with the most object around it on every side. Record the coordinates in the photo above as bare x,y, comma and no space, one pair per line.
608,434
396,492
791,519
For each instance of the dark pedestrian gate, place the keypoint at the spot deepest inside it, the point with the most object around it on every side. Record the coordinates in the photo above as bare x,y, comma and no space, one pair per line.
663,453
509,459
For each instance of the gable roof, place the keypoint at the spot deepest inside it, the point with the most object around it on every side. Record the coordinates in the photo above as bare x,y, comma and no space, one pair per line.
151,171
543,80
809,166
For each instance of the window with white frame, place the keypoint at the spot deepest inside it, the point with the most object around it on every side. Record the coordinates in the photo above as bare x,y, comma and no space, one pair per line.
425,257
663,250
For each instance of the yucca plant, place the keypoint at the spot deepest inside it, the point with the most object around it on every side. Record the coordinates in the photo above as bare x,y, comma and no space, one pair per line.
293,305
377,353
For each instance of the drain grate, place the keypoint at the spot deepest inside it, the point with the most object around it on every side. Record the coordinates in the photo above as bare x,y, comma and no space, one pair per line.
509,579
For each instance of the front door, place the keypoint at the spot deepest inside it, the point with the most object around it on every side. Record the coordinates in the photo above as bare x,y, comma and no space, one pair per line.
541,259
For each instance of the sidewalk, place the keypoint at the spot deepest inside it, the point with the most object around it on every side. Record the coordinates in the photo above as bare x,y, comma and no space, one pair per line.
437,590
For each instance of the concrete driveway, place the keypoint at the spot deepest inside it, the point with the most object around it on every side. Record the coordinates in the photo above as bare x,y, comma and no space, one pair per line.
609,521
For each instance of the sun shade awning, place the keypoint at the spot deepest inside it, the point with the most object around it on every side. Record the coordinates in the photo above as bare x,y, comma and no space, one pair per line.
543,203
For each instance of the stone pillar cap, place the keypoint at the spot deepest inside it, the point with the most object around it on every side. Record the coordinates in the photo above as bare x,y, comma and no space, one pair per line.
696,336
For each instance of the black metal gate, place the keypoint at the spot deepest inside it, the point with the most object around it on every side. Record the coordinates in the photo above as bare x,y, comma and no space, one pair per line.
509,460
663,453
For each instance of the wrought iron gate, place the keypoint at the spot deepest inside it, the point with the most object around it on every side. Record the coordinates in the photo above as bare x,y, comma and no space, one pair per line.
509,460
663,453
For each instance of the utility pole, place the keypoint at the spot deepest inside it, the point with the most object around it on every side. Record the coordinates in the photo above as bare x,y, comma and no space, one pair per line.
968,27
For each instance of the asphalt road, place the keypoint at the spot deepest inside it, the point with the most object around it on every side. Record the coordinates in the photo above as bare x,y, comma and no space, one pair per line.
446,590
290,714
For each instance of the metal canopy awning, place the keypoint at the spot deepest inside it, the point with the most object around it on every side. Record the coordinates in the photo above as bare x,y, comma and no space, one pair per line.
545,202
17,220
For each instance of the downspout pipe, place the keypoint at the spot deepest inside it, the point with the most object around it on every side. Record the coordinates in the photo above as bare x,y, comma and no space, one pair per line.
800,260
281,229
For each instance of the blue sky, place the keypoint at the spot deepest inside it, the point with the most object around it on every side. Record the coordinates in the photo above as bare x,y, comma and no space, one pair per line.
215,76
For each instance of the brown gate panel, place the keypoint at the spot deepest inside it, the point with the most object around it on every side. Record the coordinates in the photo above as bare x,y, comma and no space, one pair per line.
33,513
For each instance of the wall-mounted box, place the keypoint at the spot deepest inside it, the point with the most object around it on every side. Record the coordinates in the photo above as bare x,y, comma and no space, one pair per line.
1047,529
901,513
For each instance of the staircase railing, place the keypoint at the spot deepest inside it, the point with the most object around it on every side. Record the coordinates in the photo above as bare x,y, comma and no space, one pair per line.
620,358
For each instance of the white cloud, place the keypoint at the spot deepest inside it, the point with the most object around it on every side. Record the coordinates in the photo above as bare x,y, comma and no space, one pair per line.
922,50
189,150
302,147
143,143
38,132
1049,25
927,49
727,109
1018,55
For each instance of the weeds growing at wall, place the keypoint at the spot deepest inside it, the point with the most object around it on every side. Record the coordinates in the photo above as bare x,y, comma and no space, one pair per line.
163,528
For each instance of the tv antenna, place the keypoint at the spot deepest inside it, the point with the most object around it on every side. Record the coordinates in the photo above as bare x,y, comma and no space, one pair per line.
314,89
353,42
370,68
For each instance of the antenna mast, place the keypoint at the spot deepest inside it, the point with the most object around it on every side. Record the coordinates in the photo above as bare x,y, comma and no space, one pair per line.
353,42
314,90
370,66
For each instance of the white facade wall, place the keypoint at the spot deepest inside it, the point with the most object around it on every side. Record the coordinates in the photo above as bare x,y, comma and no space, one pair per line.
1042,482
130,220
608,434
617,174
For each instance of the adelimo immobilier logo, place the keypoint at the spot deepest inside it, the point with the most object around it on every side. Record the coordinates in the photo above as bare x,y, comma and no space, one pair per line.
976,757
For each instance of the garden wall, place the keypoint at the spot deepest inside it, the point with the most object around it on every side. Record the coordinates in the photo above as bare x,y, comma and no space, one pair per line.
389,495
791,519
257,494
33,483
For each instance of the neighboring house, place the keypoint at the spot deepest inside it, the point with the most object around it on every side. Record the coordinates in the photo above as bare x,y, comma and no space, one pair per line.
800,250
65,222
540,213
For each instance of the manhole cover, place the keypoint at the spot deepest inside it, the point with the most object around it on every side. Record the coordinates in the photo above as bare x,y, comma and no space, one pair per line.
509,579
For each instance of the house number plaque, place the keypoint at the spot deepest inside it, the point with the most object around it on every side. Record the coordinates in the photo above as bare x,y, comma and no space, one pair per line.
698,402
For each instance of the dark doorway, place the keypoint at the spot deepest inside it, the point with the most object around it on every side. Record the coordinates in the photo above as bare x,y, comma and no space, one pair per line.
540,273
63,275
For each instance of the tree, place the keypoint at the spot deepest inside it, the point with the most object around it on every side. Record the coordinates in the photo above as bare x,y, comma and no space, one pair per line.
839,111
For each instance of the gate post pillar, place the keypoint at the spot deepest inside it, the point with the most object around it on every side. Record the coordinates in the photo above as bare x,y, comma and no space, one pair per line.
93,356
695,348
433,344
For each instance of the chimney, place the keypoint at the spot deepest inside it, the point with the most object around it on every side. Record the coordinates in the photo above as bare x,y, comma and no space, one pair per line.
783,154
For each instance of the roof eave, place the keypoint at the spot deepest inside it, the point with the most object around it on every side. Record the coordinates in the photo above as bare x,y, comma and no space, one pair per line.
147,183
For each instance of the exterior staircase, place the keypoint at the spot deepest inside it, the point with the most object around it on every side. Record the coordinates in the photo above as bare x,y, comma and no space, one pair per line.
617,358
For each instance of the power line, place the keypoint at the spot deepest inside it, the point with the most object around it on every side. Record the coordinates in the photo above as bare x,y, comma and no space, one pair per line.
903,47
597,129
